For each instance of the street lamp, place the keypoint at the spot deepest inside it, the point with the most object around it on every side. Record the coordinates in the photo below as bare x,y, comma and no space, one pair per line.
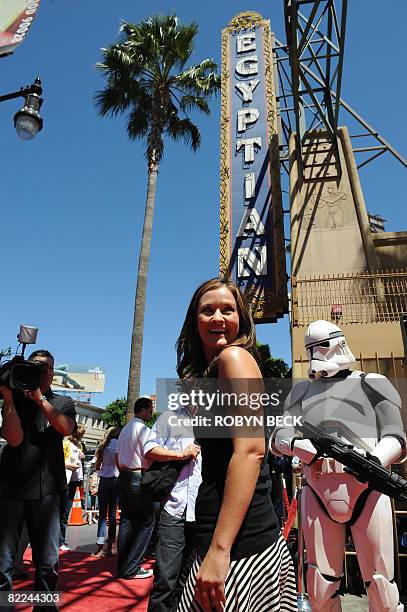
27,121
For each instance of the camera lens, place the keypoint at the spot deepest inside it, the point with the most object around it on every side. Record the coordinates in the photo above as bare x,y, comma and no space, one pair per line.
26,376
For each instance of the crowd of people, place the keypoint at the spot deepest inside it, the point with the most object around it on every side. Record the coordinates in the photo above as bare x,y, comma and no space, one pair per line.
219,544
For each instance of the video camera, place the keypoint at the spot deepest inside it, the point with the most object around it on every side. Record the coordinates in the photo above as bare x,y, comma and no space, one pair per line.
18,373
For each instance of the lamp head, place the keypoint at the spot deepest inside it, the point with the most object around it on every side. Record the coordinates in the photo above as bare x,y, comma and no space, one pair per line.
28,121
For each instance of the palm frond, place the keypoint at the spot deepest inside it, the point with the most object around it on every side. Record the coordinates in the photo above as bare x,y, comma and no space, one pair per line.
120,94
201,79
138,123
188,103
180,48
183,129
110,102
119,59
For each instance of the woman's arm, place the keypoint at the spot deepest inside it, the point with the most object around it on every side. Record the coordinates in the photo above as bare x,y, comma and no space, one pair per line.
98,462
238,365
241,479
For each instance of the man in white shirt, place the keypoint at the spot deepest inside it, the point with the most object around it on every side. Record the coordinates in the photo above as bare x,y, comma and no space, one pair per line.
137,510
177,519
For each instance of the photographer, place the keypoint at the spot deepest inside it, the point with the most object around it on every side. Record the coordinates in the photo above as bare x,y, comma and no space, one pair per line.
32,474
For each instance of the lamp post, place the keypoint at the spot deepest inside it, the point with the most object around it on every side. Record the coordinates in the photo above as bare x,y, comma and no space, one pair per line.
27,121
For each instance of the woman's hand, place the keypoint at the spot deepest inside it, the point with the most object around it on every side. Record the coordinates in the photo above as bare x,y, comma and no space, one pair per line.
210,580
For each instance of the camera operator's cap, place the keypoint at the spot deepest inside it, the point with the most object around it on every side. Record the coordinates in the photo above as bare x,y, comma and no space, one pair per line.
27,334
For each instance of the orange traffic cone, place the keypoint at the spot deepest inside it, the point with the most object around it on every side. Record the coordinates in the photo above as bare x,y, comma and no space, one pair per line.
76,517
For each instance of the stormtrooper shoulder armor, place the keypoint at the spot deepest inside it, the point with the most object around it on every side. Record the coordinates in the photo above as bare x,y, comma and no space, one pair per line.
297,393
381,388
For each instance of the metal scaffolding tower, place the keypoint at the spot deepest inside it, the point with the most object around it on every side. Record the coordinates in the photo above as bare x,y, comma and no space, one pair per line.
309,70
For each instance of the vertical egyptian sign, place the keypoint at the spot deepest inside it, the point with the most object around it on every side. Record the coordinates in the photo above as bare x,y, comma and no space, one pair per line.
16,17
251,216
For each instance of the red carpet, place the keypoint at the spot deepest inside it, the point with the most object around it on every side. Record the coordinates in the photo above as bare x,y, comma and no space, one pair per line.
89,585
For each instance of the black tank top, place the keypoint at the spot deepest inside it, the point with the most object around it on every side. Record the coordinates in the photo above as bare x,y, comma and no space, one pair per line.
259,529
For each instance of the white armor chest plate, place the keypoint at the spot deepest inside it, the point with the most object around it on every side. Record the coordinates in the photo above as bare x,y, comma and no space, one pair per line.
342,409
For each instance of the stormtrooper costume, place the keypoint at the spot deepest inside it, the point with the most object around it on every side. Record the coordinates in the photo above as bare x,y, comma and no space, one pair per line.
363,410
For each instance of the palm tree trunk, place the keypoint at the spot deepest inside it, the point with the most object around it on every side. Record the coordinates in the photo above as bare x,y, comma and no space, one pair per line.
133,389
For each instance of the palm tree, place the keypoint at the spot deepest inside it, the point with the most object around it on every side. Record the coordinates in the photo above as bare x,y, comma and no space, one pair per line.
146,78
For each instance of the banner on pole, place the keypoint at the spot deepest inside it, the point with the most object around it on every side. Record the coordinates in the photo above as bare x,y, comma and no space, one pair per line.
16,17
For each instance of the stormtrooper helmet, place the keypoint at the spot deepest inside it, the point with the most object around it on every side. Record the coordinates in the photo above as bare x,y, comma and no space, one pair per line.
327,350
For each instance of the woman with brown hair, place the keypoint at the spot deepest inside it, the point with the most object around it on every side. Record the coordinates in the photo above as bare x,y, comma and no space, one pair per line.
74,466
242,560
107,491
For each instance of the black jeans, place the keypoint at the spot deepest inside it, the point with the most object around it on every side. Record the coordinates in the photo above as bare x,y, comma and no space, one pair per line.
136,524
107,501
42,518
176,543
67,507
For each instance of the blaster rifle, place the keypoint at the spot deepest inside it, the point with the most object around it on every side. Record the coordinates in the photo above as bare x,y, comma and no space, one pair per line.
363,468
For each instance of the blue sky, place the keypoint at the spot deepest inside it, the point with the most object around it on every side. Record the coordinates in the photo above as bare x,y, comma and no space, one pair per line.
73,198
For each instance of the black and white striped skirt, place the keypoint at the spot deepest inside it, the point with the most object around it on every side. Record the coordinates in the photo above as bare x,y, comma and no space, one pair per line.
264,582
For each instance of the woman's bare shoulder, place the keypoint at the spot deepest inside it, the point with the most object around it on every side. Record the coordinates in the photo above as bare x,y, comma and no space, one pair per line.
234,352
237,362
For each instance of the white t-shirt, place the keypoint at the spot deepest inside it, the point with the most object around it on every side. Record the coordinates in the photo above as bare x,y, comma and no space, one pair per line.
108,468
73,458
130,445
77,475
